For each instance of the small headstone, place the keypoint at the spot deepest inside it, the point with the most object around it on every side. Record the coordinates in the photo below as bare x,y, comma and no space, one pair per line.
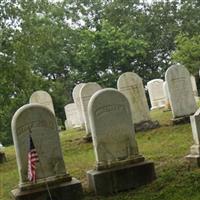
39,123
156,93
43,98
115,146
77,101
180,93
130,84
166,93
72,116
194,157
86,93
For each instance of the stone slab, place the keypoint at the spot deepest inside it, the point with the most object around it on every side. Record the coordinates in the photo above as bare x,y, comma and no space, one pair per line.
110,181
193,160
146,125
65,191
181,120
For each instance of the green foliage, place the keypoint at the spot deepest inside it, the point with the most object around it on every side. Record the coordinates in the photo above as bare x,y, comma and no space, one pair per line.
188,52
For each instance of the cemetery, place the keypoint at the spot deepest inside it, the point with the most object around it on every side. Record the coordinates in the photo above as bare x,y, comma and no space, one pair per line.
100,100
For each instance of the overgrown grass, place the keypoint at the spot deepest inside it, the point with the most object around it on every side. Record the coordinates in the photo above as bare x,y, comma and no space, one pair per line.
167,146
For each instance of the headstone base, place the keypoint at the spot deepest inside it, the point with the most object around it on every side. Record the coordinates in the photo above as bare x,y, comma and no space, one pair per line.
110,181
157,107
65,191
181,120
194,160
2,157
146,125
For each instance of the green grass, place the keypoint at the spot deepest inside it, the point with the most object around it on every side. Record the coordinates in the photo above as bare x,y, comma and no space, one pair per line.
167,146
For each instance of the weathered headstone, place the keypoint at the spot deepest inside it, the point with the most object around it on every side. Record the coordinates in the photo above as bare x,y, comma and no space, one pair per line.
72,116
166,93
39,123
43,98
86,93
119,166
194,157
130,84
180,93
77,101
194,88
156,93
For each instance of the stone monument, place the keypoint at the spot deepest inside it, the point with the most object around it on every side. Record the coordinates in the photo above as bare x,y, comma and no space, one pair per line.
194,157
194,88
44,98
156,93
180,93
86,93
119,166
130,84
77,101
72,116
39,123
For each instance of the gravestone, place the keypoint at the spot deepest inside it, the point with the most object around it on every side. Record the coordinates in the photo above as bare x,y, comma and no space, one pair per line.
130,84
86,93
180,93
39,123
119,166
156,93
194,156
77,101
2,154
72,116
166,93
194,88
43,98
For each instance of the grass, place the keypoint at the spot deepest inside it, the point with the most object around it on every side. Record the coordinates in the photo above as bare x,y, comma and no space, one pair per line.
167,146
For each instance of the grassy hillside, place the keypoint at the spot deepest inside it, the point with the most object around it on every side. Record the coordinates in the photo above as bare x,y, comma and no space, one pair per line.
166,146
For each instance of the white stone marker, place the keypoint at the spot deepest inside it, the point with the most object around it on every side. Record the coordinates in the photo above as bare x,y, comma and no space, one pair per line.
194,88
194,156
130,84
115,146
72,116
77,101
166,93
44,98
86,93
180,91
156,93
39,122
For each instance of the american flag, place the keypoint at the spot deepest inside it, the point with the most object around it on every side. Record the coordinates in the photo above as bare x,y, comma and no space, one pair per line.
32,160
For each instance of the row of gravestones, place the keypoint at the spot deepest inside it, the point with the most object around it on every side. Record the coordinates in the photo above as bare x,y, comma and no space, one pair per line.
119,166
130,84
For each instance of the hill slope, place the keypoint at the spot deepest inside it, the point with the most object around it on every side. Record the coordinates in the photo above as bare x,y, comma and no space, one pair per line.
166,146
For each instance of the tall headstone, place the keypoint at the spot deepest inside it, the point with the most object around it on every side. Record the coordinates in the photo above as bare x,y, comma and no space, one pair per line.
86,93
77,101
119,166
39,123
180,92
130,84
43,98
72,116
156,93
166,93
194,156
